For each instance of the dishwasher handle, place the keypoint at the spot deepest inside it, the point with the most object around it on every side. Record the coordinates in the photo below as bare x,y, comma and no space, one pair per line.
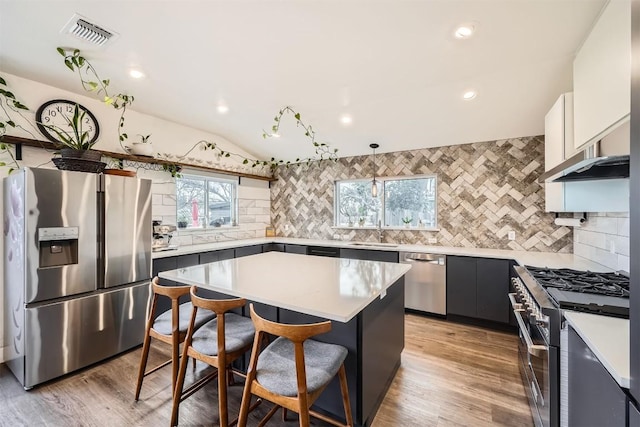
434,259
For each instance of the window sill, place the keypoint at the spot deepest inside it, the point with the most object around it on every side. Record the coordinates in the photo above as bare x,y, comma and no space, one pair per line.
372,227
193,230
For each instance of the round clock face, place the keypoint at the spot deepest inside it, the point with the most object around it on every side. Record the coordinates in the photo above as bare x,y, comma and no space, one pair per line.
59,113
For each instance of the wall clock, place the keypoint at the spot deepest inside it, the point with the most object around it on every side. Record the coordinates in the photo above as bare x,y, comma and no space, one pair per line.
58,112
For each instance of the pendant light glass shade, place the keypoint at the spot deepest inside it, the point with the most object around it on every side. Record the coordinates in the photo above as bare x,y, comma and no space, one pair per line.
374,184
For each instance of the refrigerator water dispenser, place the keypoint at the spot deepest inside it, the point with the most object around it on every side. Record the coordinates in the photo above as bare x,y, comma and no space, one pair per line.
58,246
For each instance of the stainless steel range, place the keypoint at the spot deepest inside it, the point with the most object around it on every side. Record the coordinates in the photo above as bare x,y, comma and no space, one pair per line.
540,295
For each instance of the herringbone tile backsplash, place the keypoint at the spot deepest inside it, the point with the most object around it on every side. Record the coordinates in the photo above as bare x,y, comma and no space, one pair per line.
485,189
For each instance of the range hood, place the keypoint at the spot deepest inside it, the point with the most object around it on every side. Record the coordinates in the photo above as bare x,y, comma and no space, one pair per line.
606,159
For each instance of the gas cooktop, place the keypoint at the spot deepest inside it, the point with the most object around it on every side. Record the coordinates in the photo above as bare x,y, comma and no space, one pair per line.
598,293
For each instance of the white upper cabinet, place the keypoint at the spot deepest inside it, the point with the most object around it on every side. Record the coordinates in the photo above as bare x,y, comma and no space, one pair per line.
558,145
602,75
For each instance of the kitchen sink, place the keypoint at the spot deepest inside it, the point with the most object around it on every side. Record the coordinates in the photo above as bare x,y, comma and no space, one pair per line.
382,245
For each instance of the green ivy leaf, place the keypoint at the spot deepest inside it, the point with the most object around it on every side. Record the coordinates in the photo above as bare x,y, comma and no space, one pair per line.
69,64
2,82
11,123
297,116
61,51
245,161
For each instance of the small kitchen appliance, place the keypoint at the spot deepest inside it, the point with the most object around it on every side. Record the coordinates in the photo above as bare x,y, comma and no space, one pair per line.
162,235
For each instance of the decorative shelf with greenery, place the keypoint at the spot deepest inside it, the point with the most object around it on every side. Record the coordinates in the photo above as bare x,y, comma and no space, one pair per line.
166,165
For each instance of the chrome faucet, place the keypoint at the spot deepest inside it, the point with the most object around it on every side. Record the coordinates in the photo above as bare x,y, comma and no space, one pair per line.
379,231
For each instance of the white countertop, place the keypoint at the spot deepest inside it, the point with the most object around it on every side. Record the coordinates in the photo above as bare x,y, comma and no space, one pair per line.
608,338
537,259
332,288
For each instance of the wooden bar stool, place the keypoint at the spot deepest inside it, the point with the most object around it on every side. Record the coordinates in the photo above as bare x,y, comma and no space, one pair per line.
218,343
293,370
170,327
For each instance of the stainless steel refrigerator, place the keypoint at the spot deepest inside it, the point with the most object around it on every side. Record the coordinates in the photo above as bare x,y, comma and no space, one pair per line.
77,265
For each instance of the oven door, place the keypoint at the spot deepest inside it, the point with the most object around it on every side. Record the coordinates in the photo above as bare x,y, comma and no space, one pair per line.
534,365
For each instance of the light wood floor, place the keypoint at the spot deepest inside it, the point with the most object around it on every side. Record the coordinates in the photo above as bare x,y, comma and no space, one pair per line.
451,375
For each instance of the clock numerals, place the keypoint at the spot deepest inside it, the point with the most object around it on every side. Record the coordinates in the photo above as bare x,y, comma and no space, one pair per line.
59,113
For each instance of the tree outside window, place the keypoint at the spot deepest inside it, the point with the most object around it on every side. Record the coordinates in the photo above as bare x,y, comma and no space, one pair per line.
403,202
203,202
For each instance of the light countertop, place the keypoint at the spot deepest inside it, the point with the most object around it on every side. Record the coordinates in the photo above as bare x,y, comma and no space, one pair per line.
538,259
608,338
332,288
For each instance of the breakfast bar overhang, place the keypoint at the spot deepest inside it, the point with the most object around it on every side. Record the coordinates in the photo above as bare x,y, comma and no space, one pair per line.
363,299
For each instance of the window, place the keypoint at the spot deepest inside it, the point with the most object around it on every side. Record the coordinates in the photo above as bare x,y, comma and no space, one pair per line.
203,201
403,202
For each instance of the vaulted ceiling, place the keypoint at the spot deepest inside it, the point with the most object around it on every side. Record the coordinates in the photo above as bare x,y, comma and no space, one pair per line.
393,66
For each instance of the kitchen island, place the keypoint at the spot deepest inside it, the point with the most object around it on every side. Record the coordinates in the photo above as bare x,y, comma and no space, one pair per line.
363,299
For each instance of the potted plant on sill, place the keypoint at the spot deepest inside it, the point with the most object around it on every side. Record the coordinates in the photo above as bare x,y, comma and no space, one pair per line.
182,221
407,221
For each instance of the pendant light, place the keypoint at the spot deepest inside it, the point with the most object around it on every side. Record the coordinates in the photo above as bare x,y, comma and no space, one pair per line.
374,184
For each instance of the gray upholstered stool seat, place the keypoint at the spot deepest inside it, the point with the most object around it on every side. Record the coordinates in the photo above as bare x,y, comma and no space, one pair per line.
162,324
239,332
276,369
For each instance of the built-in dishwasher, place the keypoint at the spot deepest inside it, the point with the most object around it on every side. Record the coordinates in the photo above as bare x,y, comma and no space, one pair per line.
425,285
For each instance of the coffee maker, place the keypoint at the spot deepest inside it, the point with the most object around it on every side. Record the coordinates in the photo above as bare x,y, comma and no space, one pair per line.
162,235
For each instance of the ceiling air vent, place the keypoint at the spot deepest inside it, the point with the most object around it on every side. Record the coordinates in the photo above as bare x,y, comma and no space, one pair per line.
80,27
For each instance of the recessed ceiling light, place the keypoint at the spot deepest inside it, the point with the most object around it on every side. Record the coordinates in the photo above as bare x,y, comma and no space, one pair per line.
346,119
222,109
469,95
275,135
464,31
136,74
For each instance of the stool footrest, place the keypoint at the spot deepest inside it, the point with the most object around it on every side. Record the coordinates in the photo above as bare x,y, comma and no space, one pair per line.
151,371
198,385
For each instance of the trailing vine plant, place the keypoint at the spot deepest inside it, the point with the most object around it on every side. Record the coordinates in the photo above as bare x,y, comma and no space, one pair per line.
323,151
91,82
9,105
74,60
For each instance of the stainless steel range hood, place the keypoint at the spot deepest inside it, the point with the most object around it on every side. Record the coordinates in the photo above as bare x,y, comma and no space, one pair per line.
606,159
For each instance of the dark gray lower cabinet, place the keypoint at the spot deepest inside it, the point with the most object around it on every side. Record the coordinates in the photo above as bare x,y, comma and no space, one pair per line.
634,415
478,288
461,286
214,256
595,398
328,251
295,249
248,250
273,247
369,254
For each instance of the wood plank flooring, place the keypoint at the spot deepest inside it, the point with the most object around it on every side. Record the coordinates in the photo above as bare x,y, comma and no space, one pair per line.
451,375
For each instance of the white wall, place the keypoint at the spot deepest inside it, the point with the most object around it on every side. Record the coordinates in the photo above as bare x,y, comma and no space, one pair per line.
167,137
604,238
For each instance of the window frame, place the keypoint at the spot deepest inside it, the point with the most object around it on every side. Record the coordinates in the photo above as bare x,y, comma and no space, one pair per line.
196,175
381,195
